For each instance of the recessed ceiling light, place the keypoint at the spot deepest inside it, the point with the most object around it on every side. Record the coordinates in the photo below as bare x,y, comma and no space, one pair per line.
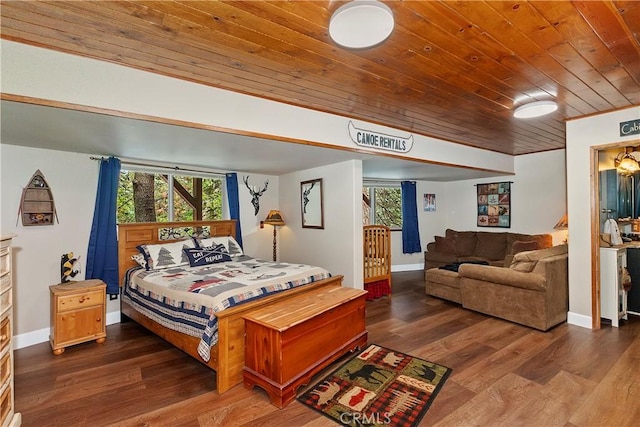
361,24
535,109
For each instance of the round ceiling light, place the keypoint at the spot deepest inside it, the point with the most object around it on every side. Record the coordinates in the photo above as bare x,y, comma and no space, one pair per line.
361,24
535,109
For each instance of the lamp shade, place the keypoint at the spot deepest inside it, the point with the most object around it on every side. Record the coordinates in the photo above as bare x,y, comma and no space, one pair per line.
274,218
563,224
627,163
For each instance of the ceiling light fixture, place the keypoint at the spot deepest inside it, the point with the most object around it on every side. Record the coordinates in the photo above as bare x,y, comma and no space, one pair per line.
626,163
361,24
535,109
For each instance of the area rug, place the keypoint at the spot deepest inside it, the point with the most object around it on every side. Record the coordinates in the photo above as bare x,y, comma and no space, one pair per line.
378,386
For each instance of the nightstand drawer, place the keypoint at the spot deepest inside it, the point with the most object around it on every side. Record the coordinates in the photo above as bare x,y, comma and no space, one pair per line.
85,299
5,333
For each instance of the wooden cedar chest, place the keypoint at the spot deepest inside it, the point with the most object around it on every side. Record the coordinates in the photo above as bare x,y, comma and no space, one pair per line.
289,342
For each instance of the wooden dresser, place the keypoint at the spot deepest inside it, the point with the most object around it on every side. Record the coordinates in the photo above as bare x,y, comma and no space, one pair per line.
78,312
8,416
290,341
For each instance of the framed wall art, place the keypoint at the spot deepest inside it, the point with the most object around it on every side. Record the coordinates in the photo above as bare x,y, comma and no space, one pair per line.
429,202
494,204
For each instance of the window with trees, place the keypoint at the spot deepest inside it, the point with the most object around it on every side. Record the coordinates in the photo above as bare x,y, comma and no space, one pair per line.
382,205
148,196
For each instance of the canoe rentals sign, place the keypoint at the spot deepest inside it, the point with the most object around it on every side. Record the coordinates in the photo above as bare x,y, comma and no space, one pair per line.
631,127
380,141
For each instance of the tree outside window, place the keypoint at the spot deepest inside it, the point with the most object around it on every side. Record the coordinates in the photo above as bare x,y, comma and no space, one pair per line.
382,206
144,197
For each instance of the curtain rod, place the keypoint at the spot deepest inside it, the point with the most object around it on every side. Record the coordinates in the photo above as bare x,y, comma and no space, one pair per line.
151,165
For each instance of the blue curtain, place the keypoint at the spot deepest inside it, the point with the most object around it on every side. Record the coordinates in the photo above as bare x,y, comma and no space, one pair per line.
410,232
102,254
234,203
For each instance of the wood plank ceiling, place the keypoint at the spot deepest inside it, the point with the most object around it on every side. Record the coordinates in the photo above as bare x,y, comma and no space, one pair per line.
454,70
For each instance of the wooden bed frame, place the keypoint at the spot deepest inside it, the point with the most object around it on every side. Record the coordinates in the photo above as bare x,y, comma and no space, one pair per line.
227,356
377,254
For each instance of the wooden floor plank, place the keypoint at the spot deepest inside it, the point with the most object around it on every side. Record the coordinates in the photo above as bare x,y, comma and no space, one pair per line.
616,399
503,374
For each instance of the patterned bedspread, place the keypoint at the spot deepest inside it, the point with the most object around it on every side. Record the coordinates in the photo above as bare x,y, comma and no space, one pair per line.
186,299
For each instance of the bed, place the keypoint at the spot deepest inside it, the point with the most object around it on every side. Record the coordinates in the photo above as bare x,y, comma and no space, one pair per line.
377,261
226,356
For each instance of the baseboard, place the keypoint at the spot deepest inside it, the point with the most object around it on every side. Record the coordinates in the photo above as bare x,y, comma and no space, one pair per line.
42,335
579,320
406,267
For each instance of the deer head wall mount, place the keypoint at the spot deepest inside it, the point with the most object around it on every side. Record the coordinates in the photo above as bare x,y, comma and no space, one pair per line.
256,193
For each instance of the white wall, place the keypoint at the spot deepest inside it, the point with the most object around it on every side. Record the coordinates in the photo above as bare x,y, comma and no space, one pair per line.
73,178
582,135
40,73
337,247
538,197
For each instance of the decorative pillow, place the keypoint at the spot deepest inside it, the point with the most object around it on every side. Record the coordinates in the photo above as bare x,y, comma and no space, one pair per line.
445,245
523,246
230,244
139,258
207,255
166,255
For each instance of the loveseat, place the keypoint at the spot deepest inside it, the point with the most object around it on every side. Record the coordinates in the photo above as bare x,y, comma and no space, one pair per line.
532,291
495,248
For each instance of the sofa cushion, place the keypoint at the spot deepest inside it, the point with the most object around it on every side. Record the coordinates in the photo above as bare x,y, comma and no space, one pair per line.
465,241
492,246
526,261
446,245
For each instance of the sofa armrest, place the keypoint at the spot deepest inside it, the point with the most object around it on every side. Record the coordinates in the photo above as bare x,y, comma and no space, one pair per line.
431,247
503,276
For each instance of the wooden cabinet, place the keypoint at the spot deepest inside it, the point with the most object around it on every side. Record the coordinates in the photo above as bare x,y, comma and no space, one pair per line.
613,297
8,416
78,311
290,341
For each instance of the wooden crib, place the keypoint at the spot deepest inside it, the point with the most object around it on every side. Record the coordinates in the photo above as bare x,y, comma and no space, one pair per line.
377,261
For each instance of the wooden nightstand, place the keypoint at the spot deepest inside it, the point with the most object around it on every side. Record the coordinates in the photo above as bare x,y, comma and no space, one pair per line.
78,311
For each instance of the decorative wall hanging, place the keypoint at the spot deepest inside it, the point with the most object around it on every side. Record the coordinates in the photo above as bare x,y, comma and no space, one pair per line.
380,141
36,204
494,204
429,202
311,203
256,193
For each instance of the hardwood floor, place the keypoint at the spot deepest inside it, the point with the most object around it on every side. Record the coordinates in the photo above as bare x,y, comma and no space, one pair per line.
503,374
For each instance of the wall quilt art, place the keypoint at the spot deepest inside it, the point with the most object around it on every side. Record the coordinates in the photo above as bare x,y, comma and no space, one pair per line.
494,204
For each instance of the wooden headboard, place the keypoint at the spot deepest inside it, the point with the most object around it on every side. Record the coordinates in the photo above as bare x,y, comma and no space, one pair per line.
134,234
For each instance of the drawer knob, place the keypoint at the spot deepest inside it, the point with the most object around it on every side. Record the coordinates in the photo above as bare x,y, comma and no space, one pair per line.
82,299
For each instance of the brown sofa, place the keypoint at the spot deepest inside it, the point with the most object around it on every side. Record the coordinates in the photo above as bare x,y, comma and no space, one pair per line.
532,291
496,248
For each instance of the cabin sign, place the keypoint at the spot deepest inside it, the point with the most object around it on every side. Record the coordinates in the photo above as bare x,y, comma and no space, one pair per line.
380,141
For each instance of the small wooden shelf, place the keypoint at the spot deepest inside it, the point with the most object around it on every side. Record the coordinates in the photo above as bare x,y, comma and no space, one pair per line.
37,206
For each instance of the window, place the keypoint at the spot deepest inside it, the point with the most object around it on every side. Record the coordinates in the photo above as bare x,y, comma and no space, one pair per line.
145,196
382,205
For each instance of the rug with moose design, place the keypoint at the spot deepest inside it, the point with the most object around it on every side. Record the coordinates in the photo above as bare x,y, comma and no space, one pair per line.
378,386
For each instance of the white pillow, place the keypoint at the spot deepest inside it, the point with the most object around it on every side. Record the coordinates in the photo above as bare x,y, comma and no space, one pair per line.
166,255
